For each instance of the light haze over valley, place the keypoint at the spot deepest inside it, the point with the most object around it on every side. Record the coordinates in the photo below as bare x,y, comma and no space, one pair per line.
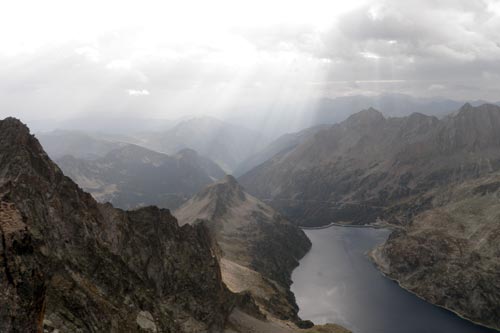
250,166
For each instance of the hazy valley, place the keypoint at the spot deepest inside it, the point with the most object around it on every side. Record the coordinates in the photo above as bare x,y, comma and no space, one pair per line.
282,166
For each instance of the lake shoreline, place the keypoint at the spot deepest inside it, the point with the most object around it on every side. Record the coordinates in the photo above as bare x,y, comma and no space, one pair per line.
378,264
335,224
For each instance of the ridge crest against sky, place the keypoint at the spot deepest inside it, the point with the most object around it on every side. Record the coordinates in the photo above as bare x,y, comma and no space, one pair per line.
165,59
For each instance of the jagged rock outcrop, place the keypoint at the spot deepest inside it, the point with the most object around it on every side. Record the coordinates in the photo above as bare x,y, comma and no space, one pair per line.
259,248
74,265
22,288
132,176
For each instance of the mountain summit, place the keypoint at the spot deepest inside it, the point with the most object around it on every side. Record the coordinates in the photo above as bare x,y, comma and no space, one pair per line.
70,264
257,245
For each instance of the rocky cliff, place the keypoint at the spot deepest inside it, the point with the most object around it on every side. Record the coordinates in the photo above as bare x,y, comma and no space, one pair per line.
450,255
70,264
259,248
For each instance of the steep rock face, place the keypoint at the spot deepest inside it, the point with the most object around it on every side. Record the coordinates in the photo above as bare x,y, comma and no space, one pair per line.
450,255
369,167
22,290
133,176
259,248
87,267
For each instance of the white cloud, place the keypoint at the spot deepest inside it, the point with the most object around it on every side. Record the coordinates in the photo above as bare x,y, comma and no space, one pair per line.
210,59
437,87
136,92
119,64
370,55
91,53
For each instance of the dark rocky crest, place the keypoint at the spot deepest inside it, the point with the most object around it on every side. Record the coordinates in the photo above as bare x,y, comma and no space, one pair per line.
85,267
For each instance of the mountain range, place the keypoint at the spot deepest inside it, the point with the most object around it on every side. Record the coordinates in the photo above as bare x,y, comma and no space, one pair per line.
132,176
225,143
370,167
71,264
333,110
434,180
276,120
82,145
223,263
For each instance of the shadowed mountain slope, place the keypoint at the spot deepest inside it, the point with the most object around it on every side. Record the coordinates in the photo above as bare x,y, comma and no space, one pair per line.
259,248
371,167
133,176
436,180
73,265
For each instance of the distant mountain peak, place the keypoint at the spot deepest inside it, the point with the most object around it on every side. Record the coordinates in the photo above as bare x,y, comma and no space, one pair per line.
229,179
485,107
187,152
371,114
225,190
466,106
215,200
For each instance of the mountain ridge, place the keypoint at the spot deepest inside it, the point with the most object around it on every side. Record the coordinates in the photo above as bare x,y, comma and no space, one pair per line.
132,176
252,237
75,265
435,181
359,166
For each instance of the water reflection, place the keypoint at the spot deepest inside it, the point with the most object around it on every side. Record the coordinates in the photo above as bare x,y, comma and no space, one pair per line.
336,282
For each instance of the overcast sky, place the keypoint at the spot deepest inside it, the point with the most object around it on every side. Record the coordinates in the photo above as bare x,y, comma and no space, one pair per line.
170,58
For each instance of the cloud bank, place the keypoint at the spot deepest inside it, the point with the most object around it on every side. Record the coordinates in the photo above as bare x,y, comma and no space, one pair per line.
221,57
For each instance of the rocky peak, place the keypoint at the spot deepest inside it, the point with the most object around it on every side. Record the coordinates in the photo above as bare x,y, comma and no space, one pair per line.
231,182
472,128
133,152
365,118
79,266
187,153
488,108
253,238
222,194
466,107
14,133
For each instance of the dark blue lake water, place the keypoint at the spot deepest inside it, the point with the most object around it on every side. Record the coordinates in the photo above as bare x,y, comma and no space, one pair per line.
336,282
